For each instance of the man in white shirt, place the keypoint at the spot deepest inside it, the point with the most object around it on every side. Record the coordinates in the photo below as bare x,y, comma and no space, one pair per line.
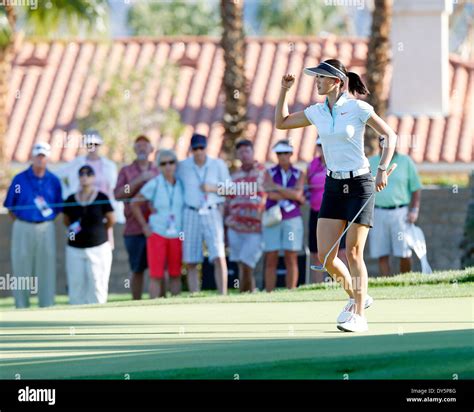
202,176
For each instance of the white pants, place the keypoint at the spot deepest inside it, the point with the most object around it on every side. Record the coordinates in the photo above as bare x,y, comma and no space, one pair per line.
33,252
88,273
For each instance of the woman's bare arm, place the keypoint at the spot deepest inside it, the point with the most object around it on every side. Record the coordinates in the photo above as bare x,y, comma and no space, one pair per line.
283,119
390,137
109,219
388,148
279,192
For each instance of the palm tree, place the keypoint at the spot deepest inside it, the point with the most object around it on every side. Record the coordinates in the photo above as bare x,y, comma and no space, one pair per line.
300,17
7,24
47,17
177,17
378,58
235,85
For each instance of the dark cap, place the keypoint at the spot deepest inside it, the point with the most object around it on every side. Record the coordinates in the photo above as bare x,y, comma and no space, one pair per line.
243,142
198,140
86,168
142,137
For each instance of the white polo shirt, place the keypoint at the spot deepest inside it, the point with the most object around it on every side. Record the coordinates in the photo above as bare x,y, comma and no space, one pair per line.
342,132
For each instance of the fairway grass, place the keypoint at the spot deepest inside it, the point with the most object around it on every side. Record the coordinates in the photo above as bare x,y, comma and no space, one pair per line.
408,339
420,328
455,283
418,364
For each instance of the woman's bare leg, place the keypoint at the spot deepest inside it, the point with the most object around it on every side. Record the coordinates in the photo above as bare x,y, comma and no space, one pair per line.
271,262
316,275
343,256
328,232
157,288
355,243
384,265
175,285
291,263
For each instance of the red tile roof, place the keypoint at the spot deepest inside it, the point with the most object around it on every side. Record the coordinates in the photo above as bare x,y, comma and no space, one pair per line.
46,99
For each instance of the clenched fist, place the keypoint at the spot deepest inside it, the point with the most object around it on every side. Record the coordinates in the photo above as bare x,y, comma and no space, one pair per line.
287,81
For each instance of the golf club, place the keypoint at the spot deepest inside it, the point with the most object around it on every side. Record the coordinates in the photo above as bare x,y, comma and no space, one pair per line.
322,268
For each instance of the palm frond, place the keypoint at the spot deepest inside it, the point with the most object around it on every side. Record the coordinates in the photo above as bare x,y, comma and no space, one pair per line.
66,16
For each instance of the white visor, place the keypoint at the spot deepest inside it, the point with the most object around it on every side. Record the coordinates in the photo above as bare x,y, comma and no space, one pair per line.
283,148
93,138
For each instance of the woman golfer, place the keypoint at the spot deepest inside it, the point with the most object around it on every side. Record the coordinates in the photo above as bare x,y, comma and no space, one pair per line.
341,122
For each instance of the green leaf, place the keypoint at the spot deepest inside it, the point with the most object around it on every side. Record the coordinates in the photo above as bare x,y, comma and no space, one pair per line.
6,33
171,18
123,110
300,17
66,16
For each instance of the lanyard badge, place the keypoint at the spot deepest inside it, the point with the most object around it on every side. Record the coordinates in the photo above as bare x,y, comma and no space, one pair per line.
204,208
43,206
74,228
171,229
171,225
286,205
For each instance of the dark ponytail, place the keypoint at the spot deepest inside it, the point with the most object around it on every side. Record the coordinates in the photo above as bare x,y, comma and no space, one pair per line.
355,82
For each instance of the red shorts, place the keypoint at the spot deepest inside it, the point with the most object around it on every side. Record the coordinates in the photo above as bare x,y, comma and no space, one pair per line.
162,251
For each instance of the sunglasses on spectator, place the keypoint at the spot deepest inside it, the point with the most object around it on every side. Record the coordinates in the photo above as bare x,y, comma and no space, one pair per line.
169,162
195,149
86,174
284,153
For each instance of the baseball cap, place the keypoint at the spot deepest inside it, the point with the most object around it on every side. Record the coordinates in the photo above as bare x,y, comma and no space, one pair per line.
142,137
243,142
92,137
283,146
325,69
86,168
41,148
198,140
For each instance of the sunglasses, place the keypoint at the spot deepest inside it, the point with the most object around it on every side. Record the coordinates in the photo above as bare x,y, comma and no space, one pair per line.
169,162
86,174
284,153
195,149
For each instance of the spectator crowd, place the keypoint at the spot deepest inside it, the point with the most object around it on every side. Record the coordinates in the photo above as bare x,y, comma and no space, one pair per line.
176,212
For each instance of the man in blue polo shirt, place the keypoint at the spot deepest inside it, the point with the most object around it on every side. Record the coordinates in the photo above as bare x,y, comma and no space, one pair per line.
33,202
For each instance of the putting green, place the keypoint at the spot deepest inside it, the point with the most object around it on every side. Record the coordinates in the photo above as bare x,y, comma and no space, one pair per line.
408,339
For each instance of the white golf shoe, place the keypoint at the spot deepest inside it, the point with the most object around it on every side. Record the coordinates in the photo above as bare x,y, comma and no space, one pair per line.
355,323
350,308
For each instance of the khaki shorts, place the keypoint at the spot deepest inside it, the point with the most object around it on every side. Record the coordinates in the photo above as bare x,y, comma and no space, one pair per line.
286,235
245,247
387,237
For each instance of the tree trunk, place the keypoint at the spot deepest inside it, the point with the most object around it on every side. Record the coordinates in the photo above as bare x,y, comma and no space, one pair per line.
378,57
6,58
235,85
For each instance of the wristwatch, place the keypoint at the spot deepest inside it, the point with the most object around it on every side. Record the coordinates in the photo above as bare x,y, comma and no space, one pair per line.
383,168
